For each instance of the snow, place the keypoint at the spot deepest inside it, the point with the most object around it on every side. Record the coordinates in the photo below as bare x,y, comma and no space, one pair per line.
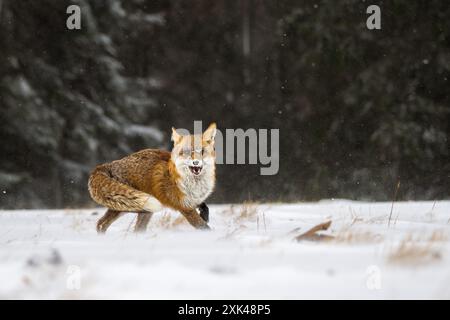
250,253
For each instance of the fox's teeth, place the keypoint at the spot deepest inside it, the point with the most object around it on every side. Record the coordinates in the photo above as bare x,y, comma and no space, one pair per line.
195,170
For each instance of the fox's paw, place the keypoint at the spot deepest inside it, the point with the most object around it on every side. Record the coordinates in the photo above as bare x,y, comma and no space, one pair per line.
204,211
100,229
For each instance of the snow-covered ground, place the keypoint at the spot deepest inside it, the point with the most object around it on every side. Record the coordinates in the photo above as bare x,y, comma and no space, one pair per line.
250,253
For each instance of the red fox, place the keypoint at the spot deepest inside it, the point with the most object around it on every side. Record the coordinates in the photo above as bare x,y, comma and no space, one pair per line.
149,180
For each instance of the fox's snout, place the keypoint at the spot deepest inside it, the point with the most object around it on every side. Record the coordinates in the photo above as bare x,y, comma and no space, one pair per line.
196,166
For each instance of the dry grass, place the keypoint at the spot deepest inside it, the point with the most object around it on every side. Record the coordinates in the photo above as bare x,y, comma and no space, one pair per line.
315,234
393,201
431,214
417,251
233,232
239,214
132,222
355,237
261,219
168,221
380,219
365,219
247,211
344,236
244,212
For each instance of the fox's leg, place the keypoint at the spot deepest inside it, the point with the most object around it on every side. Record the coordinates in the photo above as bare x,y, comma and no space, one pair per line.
194,219
108,218
143,219
204,211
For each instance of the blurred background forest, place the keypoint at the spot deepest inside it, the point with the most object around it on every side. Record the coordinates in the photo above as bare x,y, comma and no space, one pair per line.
358,110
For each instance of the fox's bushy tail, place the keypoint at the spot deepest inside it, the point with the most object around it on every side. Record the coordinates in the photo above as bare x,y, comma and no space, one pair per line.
113,194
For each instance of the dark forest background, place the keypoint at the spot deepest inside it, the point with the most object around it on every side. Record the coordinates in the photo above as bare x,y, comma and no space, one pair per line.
358,110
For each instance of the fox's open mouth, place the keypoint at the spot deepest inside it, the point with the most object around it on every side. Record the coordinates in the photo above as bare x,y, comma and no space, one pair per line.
195,169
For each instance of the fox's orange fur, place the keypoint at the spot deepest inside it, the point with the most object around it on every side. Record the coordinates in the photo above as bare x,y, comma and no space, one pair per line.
150,179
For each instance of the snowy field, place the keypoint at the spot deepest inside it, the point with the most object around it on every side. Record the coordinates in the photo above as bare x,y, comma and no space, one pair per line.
250,253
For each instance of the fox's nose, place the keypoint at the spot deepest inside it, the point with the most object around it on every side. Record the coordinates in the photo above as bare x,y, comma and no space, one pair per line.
195,162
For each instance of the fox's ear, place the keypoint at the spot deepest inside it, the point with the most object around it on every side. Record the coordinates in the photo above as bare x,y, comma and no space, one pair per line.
175,136
210,133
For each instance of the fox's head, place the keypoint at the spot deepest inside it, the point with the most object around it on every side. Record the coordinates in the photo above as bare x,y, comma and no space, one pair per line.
194,154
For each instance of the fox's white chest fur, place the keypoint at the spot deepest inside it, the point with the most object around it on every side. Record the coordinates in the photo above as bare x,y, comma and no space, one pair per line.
196,189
